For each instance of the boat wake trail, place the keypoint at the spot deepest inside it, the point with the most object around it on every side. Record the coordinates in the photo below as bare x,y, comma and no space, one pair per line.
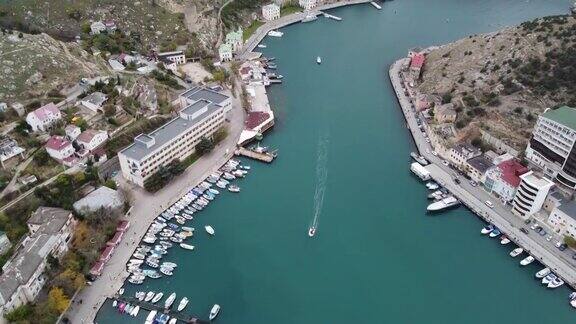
321,176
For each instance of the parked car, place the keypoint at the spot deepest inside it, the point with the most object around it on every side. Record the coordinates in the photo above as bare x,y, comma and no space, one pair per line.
527,221
456,180
473,183
542,232
489,203
434,153
524,230
534,226
445,163
574,256
549,238
563,247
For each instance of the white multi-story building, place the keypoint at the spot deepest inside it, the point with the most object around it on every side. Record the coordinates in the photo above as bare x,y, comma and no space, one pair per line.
44,117
235,39
225,52
530,195
503,180
271,11
51,230
59,148
562,219
91,139
461,153
203,113
307,4
551,147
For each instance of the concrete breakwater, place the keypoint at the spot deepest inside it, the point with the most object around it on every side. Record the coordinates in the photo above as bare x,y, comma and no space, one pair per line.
263,30
474,197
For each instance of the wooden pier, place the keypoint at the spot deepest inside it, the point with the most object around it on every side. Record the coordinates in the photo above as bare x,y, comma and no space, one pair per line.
158,307
264,157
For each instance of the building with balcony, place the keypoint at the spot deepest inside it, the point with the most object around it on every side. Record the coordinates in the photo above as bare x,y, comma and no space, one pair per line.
503,179
203,113
460,153
271,11
562,219
530,195
551,147
51,230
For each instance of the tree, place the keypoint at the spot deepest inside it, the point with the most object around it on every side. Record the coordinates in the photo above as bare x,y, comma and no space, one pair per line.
41,157
446,98
109,110
204,146
110,184
57,300
19,314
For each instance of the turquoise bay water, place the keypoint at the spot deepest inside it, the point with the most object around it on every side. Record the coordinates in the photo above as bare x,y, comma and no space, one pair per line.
377,256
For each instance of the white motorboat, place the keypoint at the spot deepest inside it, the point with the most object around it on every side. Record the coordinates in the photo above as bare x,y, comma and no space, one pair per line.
173,320
309,17
432,185
149,296
188,229
214,191
151,316
573,303
549,278
140,295
169,264
114,303
233,188
275,33
447,202
135,311
311,231
209,229
182,304
543,273
487,229
318,60
516,252
555,283
504,240
261,45
167,271
187,246
170,300
214,311
157,297
527,260
121,291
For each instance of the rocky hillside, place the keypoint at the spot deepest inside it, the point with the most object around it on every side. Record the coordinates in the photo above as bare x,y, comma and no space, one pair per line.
501,81
156,22
33,65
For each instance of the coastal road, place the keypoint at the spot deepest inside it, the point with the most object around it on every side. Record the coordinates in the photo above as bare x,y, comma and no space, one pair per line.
146,207
474,197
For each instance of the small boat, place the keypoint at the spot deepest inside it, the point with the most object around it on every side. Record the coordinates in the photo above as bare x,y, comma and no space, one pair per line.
516,252
214,191
135,311
447,202
135,281
311,231
187,246
487,229
527,260
150,317
275,33
247,167
176,239
261,45
121,307
170,300
169,264
140,295
572,295
495,233
214,311
555,283
188,229
549,278
543,273
209,229
504,240
573,303
432,185
182,304
173,320
309,18
318,60
114,303
121,291
167,271
149,296
234,188
157,297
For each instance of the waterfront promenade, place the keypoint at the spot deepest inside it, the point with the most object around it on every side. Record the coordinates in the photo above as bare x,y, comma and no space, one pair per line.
146,207
263,30
474,197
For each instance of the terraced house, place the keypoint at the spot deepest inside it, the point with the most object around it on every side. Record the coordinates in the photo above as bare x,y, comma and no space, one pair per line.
203,113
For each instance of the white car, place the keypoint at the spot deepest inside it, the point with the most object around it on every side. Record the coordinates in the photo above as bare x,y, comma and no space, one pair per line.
549,238
558,244
473,183
489,203
434,153
445,163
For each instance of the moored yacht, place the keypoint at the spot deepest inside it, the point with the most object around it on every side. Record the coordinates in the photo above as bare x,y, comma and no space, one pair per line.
275,33
516,252
170,300
495,233
549,278
182,304
555,283
487,229
209,229
505,240
527,260
157,297
447,202
543,273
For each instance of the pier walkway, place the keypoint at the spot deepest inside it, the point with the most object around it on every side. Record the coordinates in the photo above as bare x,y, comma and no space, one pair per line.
150,307
474,197
263,30
264,157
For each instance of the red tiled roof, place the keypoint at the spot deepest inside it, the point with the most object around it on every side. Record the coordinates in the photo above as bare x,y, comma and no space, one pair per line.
417,60
107,253
123,226
97,268
511,172
87,136
116,239
57,143
255,118
49,109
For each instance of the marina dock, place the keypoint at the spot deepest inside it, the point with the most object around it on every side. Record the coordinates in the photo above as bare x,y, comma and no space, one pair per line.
263,157
150,307
474,198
